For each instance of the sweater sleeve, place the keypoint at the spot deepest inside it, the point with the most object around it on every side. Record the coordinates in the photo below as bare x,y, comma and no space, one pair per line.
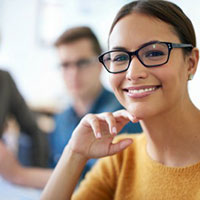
100,182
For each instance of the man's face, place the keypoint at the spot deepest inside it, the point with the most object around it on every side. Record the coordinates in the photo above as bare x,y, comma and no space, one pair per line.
80,67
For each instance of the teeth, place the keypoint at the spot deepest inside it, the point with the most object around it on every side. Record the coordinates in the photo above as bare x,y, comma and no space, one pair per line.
141,90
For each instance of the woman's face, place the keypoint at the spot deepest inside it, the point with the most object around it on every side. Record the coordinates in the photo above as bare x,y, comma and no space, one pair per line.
146,92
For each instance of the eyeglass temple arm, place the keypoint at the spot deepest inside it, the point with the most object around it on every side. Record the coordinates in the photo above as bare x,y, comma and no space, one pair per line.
174,45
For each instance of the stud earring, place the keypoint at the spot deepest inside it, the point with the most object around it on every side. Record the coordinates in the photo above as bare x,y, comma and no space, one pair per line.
190,77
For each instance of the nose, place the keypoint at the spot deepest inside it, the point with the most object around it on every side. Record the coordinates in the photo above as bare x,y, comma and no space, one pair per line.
136,70
74,71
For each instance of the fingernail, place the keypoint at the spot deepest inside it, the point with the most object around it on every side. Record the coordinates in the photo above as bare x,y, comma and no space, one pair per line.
134,119
114,130
98,135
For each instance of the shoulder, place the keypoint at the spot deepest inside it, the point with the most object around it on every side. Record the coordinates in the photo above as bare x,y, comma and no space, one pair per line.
107,173
136,137
107,102
62,114
107,94
4,74
139,141
108,169
124,159
129,155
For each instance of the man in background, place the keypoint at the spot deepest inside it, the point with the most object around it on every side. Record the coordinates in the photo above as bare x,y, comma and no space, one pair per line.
78,50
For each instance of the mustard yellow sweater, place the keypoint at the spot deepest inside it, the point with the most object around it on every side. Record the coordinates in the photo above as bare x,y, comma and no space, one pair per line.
133,175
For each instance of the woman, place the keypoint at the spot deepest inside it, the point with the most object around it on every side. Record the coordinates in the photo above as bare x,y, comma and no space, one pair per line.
152,56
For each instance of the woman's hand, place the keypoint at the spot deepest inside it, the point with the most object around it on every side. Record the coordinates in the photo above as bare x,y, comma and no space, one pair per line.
94,135
92,138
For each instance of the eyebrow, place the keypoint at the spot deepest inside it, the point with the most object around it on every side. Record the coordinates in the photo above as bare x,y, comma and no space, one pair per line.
118,48
144,44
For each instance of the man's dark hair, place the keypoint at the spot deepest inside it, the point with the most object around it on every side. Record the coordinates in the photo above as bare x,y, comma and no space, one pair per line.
77,33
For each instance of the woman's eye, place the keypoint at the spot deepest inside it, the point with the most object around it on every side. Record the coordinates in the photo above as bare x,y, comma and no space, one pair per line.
154,54
120,58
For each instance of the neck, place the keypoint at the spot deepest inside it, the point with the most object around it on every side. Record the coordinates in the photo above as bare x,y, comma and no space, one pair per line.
83,104
173,138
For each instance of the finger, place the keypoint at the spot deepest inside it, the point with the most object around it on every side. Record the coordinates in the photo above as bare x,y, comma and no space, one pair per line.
120,146
94,123
126,115
111,121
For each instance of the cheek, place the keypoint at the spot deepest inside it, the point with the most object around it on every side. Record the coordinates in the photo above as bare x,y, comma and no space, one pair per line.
172,80
65,75
115,81
92,74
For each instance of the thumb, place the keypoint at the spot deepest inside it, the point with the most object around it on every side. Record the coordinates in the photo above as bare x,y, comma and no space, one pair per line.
120,146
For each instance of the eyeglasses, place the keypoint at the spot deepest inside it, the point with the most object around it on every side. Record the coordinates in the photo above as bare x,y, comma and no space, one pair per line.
152,54
81,64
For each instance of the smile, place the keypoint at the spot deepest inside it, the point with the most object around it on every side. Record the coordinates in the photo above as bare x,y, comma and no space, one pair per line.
139,92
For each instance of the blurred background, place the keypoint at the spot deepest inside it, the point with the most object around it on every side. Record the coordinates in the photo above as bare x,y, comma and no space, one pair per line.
28,29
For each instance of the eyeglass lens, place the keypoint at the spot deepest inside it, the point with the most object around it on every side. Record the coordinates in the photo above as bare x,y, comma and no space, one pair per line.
151,55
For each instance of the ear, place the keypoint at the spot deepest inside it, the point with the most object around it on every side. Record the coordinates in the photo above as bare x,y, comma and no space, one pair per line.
193,59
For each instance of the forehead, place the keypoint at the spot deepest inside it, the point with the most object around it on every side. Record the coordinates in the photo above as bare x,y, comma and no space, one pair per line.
82,48
136,29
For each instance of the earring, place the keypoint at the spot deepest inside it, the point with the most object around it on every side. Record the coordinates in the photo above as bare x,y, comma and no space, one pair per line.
190,77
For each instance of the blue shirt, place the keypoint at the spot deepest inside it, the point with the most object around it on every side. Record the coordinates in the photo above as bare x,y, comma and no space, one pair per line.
67,121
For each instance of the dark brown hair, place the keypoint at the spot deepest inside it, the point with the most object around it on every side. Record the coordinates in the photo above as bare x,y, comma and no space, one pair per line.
165,11
77,33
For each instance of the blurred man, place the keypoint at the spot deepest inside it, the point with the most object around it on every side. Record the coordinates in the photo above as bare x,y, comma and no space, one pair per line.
78,49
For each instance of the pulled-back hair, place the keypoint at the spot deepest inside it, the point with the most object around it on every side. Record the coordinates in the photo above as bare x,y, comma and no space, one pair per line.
165,11
77,33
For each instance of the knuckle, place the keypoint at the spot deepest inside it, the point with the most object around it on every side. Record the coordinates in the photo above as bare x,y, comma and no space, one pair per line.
108,114
89,116
110,117
92,118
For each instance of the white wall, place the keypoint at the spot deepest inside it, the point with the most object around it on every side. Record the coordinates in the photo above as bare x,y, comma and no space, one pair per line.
34,66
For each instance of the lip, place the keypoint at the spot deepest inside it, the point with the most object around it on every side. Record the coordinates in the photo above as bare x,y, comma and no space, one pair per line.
141,91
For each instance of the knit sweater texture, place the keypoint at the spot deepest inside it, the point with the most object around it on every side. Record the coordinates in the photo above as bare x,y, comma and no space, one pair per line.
133,175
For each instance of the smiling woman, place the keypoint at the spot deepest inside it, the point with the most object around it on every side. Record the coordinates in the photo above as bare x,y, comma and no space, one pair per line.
167,73
149,73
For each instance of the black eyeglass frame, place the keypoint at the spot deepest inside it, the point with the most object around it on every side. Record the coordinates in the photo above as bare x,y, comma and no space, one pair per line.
135,53
81,63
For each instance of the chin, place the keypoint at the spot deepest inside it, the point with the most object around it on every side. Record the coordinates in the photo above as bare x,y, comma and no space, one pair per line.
137,113
140,111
